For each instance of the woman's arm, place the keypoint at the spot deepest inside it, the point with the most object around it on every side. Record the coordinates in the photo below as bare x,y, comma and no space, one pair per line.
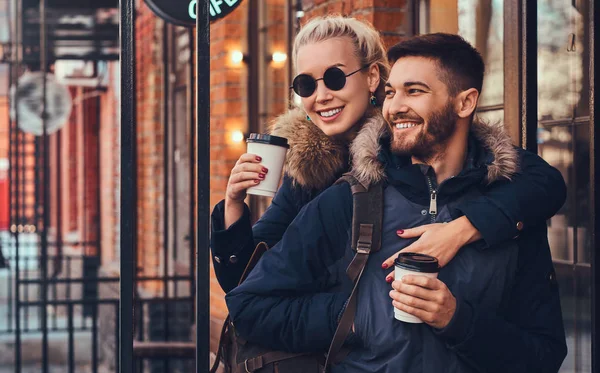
534,195
233,246
504,209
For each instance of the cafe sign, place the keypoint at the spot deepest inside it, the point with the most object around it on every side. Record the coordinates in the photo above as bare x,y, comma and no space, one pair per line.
183,12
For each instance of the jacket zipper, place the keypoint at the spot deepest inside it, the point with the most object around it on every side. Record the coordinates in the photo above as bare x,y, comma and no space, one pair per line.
432,200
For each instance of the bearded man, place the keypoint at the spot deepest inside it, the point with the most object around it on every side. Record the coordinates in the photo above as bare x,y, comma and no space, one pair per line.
492,309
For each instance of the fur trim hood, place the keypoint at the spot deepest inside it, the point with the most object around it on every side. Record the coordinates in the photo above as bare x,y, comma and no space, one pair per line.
367,168
316,160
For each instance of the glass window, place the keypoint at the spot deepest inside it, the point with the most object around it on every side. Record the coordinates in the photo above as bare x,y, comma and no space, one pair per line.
555,146
481,22
563,59
582,192
564,141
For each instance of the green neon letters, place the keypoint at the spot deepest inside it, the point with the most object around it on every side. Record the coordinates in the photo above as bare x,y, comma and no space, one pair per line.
217,7
183,12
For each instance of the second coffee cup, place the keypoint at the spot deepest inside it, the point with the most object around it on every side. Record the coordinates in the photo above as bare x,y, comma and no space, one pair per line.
272,150
413,264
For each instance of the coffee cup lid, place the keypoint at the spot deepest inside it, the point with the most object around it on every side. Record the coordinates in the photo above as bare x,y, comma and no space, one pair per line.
268,139
417,262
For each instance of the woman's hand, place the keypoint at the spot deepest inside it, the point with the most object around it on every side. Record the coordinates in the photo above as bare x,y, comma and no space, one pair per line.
440,240
246,173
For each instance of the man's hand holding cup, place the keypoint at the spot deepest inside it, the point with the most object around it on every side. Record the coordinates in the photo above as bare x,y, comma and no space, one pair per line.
426,298
418,296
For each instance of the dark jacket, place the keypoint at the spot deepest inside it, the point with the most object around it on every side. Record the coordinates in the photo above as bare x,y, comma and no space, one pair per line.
532,195
508,316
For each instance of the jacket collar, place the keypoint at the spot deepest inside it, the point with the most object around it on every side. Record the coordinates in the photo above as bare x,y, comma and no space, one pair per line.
490,150
315,160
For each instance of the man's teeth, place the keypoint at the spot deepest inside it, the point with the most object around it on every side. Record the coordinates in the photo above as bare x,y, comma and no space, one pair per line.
405,125
330,113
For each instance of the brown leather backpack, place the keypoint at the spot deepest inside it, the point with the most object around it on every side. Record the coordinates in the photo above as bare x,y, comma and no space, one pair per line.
241,356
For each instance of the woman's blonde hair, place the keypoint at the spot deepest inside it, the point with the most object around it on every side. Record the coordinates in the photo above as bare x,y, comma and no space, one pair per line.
366,40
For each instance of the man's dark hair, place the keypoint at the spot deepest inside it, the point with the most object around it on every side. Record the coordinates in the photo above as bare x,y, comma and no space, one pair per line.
461,65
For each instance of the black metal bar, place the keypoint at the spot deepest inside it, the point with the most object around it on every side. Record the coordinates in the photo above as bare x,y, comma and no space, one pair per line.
59,213
202,151
46,189
95,339
118,334
54,311
71,339
166,97
10,181
103,301
140,328
128,186
140,334
530,77
594,15
26,293
68,290
14,128
192,107
255,89
79,302
10,298
103,279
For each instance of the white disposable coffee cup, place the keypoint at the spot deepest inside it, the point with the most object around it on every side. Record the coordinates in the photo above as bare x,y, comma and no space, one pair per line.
413,264
272,150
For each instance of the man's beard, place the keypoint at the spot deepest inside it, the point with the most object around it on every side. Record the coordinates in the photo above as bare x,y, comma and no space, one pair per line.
431,140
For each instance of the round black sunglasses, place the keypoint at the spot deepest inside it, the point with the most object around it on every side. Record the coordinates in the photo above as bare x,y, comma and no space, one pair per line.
334,78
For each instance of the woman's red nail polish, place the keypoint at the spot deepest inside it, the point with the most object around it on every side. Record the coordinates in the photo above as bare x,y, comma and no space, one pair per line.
388,279
384,266
399,231
264,170
256,181
261,176
259,159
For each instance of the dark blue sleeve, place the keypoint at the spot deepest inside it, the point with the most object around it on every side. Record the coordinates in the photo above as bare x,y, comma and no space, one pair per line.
528,335
239,240
534,195
287,302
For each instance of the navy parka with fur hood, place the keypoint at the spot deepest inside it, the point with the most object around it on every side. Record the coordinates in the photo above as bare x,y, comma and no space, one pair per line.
315,161
508,316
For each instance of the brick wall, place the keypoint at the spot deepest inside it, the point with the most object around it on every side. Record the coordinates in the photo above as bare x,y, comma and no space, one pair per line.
109,170
276,80
149,140
91,170
228,111
4,127
390,17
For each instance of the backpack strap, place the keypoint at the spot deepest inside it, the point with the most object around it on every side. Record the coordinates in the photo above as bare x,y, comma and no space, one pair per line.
221,346
367,211
260,249
367,217
251,365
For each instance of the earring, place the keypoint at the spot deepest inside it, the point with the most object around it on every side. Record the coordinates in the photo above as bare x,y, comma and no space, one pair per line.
307,118
373,99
